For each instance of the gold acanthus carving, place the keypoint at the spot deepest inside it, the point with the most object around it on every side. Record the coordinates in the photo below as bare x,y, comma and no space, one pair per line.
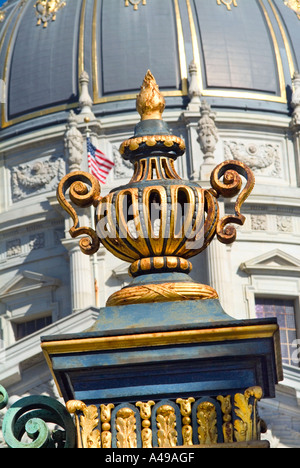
240,407
86,424
245,428
207,420
126,428
166,423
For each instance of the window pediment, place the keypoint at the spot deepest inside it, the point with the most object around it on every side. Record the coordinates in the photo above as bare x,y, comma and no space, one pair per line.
25,282
271,263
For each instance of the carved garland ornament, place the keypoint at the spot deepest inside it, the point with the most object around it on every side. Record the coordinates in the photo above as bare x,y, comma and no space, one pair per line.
294,5
2,15
135,3
46,10
27,179
228,3
262,159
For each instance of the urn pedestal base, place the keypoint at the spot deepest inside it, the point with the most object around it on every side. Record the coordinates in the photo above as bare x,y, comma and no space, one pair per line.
169,374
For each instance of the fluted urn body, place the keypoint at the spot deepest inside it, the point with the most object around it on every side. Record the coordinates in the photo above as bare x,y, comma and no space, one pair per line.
157,221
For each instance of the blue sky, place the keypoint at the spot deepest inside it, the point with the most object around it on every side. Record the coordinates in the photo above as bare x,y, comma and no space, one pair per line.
1,2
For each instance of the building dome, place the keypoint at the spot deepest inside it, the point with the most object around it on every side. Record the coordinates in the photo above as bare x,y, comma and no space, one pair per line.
246,53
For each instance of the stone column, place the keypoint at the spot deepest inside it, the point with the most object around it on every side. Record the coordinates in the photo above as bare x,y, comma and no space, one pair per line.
219,269
82,287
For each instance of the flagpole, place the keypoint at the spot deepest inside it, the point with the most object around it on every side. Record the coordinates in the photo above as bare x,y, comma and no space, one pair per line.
95,258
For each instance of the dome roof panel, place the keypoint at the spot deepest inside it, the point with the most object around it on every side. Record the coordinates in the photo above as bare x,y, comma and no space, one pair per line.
246,55
233,55
43,65
144,37
291,23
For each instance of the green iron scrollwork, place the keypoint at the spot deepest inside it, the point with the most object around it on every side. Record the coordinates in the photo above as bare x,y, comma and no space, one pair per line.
3,397
30,416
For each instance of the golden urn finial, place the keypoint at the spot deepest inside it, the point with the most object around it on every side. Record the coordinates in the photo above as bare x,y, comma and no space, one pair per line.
158,221
150,103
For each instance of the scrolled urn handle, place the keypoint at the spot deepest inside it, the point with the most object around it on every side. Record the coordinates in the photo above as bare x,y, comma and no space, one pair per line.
78,182
231,186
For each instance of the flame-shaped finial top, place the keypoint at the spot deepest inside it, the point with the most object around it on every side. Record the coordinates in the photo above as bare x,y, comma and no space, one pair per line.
150,103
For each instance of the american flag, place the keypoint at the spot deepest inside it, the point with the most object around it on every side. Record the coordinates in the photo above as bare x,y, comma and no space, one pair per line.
99,164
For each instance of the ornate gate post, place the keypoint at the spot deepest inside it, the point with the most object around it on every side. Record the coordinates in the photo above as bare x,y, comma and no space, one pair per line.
164,365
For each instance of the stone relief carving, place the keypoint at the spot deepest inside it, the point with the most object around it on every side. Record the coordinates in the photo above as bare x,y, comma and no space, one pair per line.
263,159
37,177
13,247
259,222
284,223
37,241
122,169
280,223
